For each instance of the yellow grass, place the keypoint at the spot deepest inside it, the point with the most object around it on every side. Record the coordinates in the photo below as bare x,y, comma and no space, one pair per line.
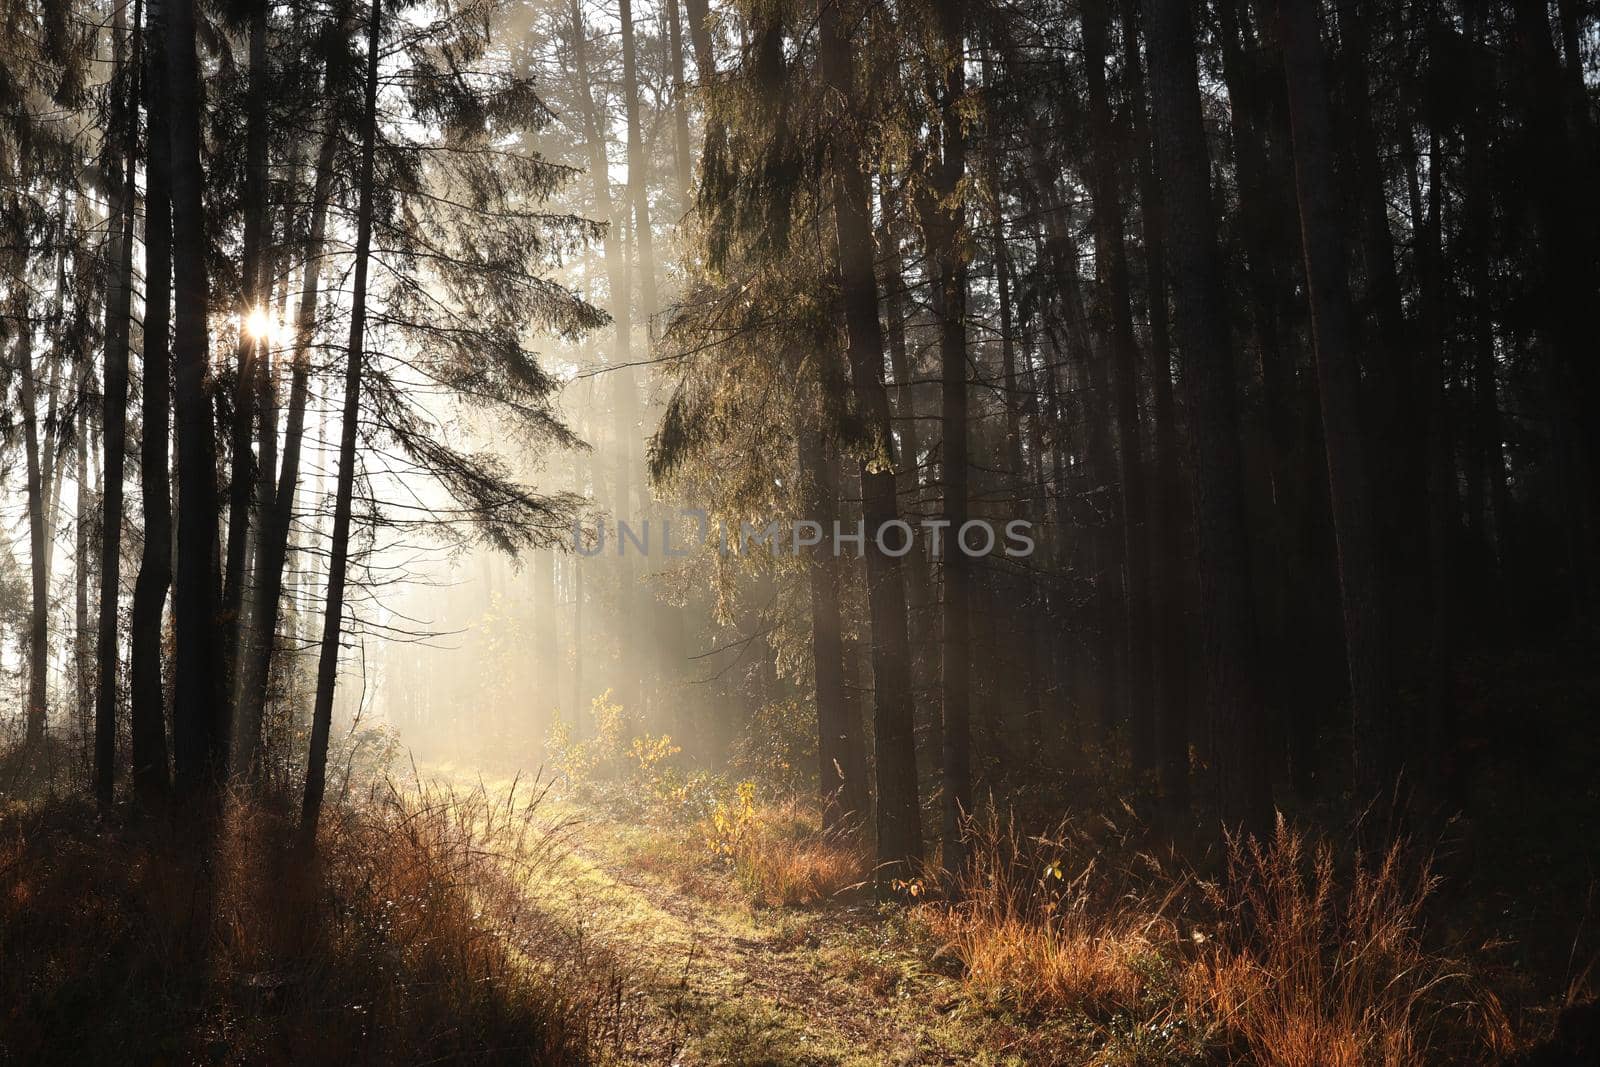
1291,958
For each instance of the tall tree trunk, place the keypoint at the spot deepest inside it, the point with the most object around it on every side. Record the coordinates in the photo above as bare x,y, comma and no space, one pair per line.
635,631
638,177
1377,757
915,565
943,222
39,606
83,652
273,541
147,696
199,714
241,484
841,759
1438,733
1488,493
1398,469
114,421
1166,503
1111,257
595,130
898,822
1208,379
339,549
680,109
700,36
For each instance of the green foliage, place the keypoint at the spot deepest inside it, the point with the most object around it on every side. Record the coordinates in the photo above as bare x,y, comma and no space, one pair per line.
617,757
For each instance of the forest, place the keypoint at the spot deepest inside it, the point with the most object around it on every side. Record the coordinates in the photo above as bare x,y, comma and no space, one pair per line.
800,532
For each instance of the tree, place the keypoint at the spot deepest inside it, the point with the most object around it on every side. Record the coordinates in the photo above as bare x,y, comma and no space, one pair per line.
1377,754
114,409
943,222
1189,227
147,696
898,824
199,714
339,561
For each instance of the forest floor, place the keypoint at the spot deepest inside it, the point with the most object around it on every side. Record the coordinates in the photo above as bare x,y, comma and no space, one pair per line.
716,980
721,982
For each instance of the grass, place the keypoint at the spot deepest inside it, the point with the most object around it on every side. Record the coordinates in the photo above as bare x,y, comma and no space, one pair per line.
1288,958
785,856
405,941
1314,966
488,924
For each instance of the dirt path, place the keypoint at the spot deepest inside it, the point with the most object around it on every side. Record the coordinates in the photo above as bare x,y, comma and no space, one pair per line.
722,984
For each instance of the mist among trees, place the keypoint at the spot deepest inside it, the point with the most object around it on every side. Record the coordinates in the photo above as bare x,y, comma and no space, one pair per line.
765,532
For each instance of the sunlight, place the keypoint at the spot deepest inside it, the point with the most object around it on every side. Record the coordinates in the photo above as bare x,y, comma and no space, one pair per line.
261,325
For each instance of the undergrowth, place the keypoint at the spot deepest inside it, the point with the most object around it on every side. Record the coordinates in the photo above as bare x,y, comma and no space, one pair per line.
1288,958
405,940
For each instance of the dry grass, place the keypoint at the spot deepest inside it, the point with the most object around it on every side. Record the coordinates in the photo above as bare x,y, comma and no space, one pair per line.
1034,927
405,941
784,856
1314,967
1289,959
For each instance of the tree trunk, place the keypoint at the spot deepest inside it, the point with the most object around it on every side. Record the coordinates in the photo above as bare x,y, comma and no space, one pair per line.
1377,762
700,36
39,612
898,821
199,715
113,422
273,540
241,484
680,110
1111,257
943,220
339,548
147,695
915,565
1244,795
1166,502
840,757
83,654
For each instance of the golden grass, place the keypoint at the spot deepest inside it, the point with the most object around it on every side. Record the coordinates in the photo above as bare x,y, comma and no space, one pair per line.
1289,959
406,939
1311,966
784,855
1032,929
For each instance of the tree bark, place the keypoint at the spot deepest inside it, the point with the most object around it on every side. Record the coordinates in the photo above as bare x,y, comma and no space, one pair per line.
1244,796
241,484
898,821
339,549
1111,257
680,109
147,695
273,540
943,221
840,757
1166,502
1376,749
39,607
113,422
200,715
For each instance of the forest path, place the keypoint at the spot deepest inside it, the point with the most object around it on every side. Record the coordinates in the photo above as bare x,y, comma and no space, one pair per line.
713,981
